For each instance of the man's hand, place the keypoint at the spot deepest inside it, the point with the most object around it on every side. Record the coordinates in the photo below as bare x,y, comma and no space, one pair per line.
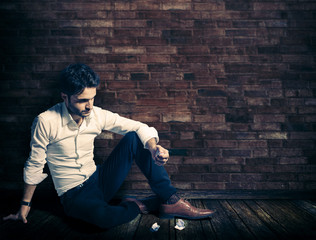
20,215
160,155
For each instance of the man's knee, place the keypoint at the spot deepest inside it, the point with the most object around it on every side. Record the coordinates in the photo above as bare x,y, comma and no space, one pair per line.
131,137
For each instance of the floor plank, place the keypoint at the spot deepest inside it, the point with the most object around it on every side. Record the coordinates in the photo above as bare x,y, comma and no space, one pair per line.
253,223
270,222
123,232
221,221
234,219
207,226
237,221
309,207
193,228
291,221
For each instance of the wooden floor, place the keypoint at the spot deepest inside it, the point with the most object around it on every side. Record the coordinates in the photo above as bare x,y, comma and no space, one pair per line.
234,219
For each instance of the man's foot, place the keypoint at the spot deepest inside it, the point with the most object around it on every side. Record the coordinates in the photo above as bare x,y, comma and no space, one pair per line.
146,205
183,209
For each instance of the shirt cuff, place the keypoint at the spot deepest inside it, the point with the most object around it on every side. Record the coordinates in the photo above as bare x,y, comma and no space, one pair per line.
146,134
33,179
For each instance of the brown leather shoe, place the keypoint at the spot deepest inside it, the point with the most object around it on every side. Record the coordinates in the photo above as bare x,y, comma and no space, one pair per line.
183,209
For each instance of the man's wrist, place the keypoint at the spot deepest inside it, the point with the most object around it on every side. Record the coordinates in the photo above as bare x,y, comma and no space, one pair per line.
25,203
151,144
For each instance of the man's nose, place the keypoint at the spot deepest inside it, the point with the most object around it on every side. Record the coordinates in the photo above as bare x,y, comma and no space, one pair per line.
89,104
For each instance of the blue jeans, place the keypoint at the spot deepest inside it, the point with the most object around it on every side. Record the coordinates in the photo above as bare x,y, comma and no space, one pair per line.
89,201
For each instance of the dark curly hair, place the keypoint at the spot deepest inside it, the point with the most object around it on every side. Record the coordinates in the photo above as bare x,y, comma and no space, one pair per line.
76,77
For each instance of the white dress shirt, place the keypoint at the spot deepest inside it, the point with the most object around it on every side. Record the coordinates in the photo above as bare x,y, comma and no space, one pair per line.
68,149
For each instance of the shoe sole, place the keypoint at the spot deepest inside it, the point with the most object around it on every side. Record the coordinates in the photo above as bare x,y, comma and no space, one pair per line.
167,216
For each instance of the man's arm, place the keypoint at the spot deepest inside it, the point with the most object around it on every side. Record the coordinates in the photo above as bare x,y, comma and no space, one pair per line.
158,153
33,169
24,209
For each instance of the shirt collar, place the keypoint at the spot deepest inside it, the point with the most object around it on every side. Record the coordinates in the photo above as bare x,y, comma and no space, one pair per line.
66,117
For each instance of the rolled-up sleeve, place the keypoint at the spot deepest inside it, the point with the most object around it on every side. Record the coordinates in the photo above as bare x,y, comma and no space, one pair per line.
33,169
121,125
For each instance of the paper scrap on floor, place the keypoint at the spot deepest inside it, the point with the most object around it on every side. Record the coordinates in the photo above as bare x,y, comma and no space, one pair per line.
180,224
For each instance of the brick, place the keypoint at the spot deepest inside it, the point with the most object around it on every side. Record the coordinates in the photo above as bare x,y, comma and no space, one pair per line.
150,85
139,76
182,185
121,59
221,143
212,101
127,34
129,50
240,127
240,33
209,186
248,177
239,115
149,94
260,152
146,117
296,160
197,160
226,168
269,6
252,144
258,101
214,177
194,169
155,59
238,153
238,6
153,102
176,6
193,50
258,168
176,33
121,85
131,67
273,135
178,126
145,5
97,50
151,41
211,93
204,152
266,126
176,117
215,127
186,177
192,143
213,6
130,24
186,135
286,152
271,185
140,185
218,118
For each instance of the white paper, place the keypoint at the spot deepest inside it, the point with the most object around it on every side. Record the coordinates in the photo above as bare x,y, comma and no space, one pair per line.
180,224
155,227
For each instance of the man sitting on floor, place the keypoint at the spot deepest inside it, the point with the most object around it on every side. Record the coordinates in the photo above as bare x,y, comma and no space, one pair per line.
63,137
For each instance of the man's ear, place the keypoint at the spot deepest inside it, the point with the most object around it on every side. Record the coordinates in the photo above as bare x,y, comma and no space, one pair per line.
64,97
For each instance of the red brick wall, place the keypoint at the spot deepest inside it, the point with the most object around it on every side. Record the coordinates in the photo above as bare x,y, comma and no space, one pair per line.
230,85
